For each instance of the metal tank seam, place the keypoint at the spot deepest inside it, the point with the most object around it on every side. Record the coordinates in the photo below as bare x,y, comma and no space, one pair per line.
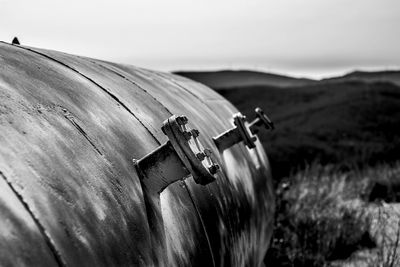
202,223
42,230
129,80
82,132
98,85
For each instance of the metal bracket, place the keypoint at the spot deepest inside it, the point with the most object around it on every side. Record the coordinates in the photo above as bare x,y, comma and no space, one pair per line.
243,130
175,160
179,157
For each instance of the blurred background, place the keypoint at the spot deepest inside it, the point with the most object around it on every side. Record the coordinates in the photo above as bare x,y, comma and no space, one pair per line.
327,72
310,38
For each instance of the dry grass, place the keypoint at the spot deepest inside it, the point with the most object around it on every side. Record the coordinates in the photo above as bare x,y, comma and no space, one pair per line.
323,219
385,227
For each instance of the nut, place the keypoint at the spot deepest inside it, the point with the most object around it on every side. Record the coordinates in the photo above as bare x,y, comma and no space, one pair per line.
213,169
182,120
207,152
187,135
195,133
201,156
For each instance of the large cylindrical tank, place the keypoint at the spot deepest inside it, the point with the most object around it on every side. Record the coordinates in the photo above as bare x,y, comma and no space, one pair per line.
70,194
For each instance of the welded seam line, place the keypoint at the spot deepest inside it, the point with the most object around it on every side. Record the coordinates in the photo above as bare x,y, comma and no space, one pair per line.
129,80
85,135
94,82
41,228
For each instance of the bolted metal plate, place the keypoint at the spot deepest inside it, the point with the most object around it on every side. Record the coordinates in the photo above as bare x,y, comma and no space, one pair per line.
188,146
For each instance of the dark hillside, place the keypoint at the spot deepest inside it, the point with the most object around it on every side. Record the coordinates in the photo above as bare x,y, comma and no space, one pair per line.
349,123
364,76
231,79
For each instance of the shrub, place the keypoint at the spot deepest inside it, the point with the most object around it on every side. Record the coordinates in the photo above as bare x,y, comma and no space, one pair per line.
319,218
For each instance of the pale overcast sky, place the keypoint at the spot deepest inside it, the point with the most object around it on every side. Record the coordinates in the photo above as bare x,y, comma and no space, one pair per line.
314,38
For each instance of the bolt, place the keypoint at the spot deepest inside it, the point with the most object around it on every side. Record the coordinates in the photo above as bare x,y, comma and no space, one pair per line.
200,156
213,169
195,133
187,135
182,120
207,152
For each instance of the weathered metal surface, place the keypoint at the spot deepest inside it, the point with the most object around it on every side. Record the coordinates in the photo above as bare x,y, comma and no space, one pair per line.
246,190
186,242
123,89
69,129
22,241
65,146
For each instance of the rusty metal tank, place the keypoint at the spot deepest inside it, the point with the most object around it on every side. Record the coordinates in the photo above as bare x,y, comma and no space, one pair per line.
74,133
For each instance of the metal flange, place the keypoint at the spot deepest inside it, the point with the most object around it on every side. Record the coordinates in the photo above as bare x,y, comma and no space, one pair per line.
243,131
182,155
261,121
187,145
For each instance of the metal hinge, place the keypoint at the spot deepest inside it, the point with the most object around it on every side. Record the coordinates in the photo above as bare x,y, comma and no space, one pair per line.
243,130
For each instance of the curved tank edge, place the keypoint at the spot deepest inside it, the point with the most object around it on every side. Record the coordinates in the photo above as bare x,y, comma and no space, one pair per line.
214,118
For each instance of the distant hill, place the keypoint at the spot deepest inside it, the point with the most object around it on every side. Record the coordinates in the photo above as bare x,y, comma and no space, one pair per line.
346,123
228,79
365,76
350,121
238,78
